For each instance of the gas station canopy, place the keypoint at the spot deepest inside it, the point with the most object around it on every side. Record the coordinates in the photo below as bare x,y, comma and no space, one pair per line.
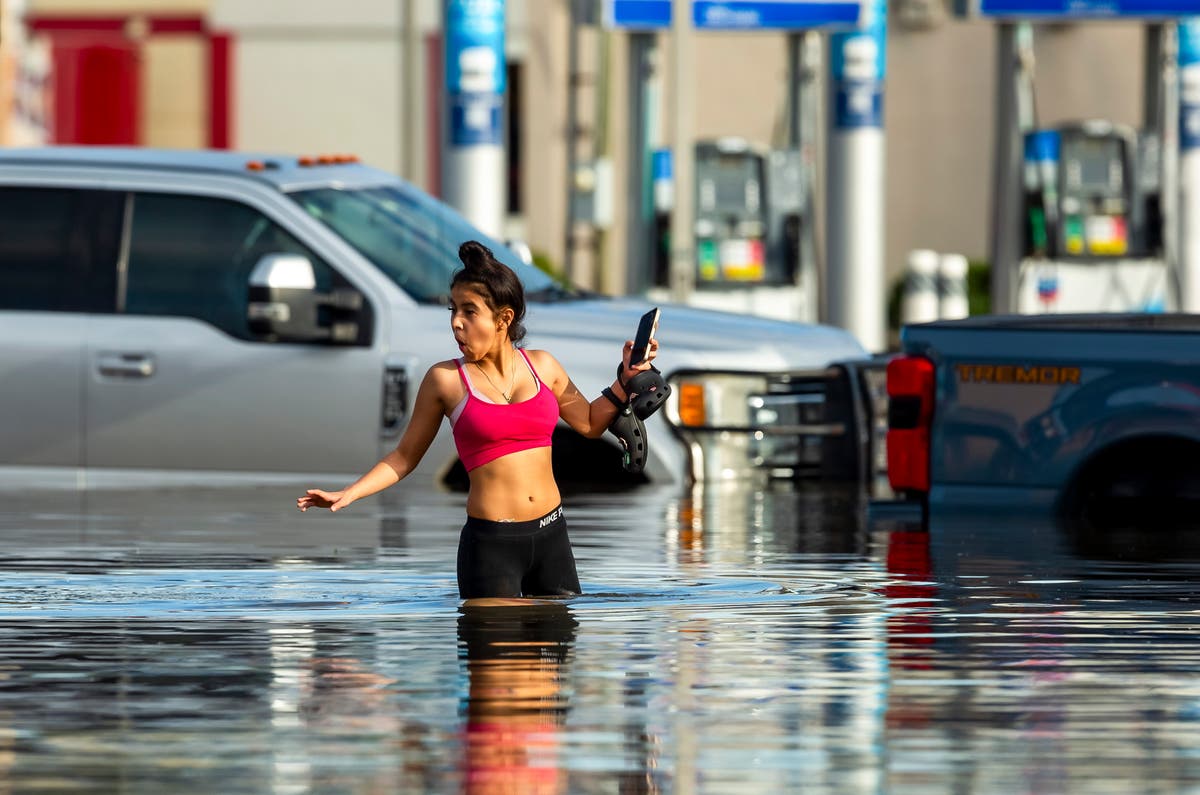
1068,10
737,14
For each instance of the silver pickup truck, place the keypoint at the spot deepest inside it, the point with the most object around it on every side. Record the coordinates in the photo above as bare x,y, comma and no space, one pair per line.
136,341
1096,417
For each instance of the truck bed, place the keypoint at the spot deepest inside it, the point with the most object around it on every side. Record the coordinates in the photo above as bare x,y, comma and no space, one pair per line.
1111,322
1085,412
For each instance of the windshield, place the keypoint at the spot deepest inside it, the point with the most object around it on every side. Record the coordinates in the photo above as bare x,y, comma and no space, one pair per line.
413,238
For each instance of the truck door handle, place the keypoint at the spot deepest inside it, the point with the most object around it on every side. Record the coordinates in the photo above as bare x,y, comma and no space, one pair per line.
125,365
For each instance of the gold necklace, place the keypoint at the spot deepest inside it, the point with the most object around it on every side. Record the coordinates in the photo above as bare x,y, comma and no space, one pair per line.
507,395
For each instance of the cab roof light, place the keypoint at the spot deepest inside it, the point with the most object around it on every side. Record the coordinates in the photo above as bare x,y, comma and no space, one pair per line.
326,160
261,165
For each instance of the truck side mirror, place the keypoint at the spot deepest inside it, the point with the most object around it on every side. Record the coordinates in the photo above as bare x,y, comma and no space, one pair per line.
285,306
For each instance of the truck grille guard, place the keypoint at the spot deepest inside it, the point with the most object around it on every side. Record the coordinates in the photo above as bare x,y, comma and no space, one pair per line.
827,424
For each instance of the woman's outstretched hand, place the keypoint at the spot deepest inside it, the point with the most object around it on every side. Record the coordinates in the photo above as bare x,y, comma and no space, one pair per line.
316,498
629,371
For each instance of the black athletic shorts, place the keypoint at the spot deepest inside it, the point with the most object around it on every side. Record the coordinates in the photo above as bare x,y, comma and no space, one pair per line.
516,558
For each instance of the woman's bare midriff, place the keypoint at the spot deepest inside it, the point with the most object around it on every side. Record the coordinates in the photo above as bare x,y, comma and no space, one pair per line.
516,487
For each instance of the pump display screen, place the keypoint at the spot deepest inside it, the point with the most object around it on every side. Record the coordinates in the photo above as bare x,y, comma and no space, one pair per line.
730,183
730,217
1095,203
1093,165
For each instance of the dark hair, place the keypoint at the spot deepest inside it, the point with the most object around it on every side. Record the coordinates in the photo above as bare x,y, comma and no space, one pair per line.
495,281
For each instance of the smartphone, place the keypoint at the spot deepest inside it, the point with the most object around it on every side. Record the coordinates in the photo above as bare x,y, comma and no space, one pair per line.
646,330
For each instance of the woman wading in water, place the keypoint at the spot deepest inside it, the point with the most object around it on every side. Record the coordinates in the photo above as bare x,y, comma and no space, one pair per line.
503,403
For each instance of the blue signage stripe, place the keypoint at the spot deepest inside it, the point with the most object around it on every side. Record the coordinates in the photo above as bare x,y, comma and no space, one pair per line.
1089,8
736,14
731,15
638,14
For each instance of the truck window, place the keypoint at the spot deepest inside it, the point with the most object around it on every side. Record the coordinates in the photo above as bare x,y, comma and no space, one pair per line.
410,236
58,249
191,256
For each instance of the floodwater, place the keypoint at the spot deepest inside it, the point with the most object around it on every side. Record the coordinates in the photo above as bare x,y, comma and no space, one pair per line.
733,640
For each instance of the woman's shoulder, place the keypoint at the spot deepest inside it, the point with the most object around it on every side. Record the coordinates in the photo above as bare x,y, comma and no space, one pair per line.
444,372
538,355
442,379
541,358
546,366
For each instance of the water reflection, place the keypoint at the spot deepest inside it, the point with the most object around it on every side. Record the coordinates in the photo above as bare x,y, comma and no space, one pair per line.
517,696
766,640
1150,537
92,706
1066,665
727,520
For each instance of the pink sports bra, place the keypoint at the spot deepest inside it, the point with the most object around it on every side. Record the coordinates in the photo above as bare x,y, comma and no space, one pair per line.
485,430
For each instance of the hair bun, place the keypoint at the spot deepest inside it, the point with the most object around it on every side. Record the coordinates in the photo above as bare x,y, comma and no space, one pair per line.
499,286
475,255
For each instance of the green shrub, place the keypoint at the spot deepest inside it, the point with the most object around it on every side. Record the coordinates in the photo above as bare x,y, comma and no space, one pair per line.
979,287
542,262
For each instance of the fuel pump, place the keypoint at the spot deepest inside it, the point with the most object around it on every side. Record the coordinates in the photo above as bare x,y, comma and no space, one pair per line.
1092,225
1084,218
731,220
751,214
1084,198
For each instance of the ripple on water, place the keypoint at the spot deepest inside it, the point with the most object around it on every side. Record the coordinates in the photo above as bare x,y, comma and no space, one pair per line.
302,593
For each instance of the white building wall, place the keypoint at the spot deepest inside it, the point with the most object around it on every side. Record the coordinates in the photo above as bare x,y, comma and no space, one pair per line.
313,76
540,41
310,97
175,92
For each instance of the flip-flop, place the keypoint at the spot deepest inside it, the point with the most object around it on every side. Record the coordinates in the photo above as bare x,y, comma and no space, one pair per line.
631,433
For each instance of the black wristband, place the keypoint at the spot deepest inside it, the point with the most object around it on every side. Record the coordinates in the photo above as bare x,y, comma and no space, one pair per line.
612,397
620,372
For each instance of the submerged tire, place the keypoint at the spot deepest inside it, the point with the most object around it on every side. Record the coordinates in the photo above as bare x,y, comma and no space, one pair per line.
1135,500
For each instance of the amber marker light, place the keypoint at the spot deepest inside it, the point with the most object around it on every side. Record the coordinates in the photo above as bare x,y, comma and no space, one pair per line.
691,404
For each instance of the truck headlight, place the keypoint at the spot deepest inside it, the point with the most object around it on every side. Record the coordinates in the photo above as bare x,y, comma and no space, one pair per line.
713,401
736,424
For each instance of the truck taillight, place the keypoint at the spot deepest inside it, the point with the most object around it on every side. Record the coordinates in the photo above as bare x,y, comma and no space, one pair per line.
910,388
